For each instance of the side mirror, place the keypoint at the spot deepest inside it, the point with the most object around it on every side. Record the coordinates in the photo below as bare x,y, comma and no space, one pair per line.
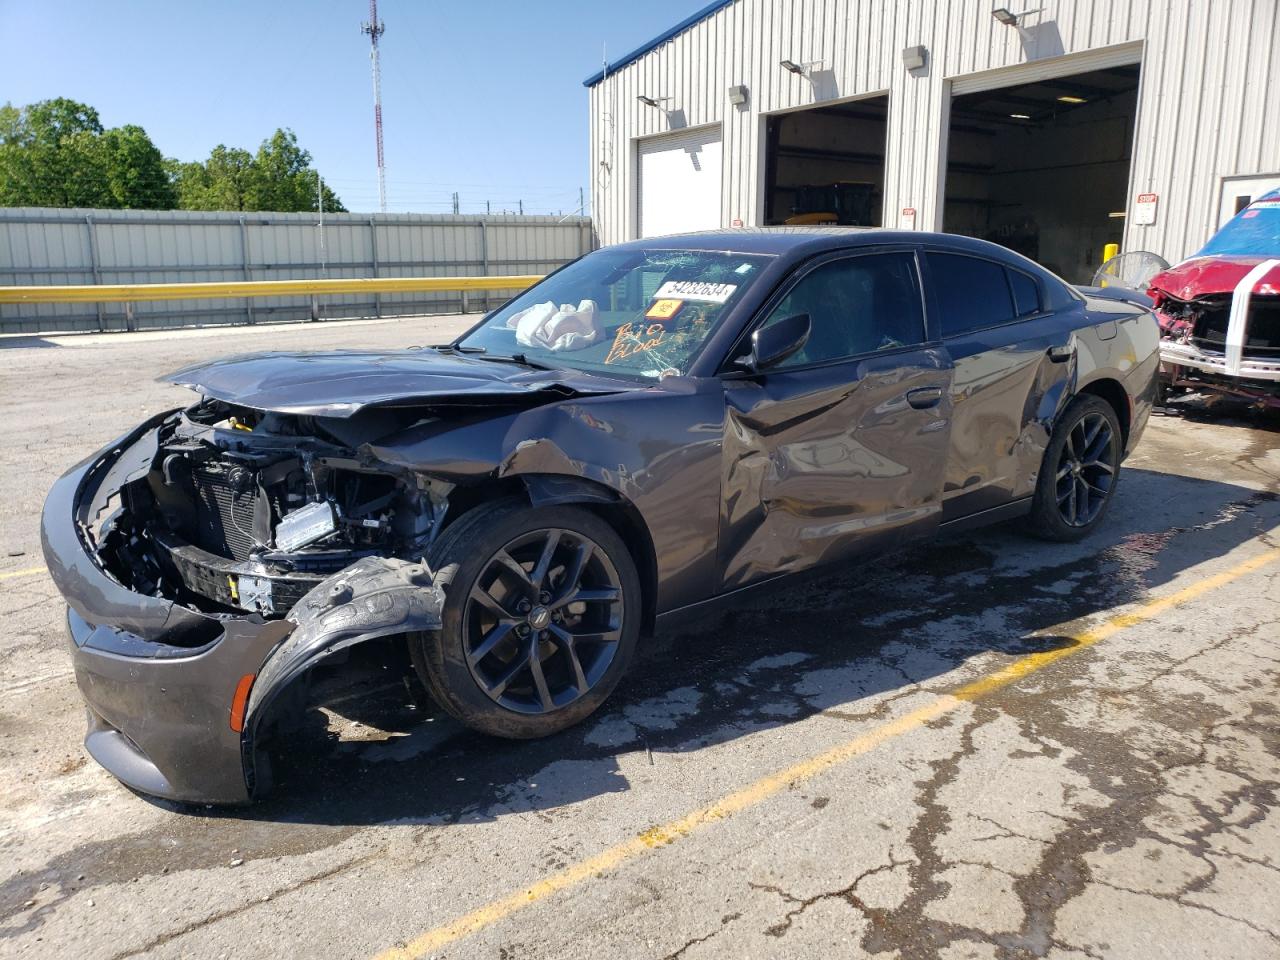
772,344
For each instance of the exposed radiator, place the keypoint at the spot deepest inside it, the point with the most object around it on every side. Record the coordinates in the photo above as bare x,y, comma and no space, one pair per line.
224,518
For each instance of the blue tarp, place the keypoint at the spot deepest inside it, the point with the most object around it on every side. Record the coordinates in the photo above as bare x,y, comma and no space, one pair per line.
1253,232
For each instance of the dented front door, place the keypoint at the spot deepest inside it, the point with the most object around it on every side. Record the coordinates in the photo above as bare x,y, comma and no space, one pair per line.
829,462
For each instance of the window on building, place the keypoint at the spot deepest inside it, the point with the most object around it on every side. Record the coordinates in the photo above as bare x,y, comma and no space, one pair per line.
972,294
857,305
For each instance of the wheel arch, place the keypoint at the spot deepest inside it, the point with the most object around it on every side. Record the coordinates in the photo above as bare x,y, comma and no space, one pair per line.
550,489
1113,392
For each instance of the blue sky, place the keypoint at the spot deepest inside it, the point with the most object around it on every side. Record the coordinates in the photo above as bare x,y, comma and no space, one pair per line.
483,97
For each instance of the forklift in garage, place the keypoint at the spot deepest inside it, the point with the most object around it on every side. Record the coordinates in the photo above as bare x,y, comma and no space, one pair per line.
848,203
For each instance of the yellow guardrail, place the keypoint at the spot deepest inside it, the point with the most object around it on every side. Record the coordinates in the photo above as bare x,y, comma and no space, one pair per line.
138,292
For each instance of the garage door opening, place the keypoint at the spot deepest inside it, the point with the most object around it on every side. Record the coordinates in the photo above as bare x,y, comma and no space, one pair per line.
679,183
826,164
1043,167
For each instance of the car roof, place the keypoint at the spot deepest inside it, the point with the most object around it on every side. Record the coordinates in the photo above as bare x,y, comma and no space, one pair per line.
805,241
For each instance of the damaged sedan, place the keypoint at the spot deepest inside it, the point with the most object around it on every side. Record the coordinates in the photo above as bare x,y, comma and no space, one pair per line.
1219,311
649,432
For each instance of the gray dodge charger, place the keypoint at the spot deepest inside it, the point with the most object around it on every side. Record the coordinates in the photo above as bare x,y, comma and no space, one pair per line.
652,430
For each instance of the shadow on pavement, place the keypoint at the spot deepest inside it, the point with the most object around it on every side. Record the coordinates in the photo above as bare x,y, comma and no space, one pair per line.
848,638
27,343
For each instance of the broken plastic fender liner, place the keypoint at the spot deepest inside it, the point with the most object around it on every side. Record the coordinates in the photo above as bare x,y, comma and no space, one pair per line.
374,597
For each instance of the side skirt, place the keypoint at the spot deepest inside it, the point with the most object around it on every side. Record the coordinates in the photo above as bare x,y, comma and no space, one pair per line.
672,619
983,518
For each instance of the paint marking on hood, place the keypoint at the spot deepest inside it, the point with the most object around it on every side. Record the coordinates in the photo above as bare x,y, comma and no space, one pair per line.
1238,321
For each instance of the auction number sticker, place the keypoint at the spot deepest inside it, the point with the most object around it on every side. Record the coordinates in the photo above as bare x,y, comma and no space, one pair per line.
696,290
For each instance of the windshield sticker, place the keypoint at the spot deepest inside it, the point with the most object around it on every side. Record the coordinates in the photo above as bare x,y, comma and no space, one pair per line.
663,309
632,340
696,290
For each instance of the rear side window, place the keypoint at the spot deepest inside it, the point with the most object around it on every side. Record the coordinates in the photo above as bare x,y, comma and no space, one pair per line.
972,294
1026,293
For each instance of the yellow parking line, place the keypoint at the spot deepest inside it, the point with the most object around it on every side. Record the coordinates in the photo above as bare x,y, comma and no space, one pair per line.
29,572
775,783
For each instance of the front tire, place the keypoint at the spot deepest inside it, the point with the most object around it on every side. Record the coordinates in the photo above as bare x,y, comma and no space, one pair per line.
540,621
1079,473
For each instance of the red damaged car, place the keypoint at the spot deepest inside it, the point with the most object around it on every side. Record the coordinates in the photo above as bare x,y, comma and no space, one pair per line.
1219,311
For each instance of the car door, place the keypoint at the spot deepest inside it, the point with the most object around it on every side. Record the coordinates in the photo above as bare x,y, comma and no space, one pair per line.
1010,353
839,449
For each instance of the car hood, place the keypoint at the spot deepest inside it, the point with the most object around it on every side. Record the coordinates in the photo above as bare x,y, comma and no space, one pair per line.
339,383
1205,276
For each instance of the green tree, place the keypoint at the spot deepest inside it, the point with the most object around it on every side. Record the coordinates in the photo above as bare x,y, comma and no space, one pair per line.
51,155
226,181
136,171
283,178
56,153
278,178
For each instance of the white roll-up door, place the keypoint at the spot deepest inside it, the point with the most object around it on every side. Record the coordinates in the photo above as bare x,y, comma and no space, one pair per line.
1048,69
679,184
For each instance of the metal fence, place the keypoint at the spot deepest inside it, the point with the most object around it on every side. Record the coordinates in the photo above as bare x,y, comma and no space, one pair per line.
56,247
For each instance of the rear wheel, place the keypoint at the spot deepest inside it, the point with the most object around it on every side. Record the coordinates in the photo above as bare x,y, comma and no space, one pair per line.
1079,473
540,620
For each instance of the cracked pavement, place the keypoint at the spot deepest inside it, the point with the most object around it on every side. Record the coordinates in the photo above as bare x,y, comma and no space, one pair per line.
1123,801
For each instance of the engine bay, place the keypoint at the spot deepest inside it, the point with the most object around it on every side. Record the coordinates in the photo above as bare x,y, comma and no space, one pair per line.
245,511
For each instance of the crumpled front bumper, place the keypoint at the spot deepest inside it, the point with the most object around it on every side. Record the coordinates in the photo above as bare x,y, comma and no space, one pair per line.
160,678
1188,355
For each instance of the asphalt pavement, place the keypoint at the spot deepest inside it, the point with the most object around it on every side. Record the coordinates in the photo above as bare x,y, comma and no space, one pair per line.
984,747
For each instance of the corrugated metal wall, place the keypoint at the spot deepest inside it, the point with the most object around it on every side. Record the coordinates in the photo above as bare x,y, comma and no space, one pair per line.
1207,103
39,246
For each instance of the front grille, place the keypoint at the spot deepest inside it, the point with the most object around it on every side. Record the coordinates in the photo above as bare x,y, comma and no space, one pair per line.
224,516
1262,338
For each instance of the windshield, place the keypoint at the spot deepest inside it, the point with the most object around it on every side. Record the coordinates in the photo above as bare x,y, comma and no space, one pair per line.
642,313
1254,231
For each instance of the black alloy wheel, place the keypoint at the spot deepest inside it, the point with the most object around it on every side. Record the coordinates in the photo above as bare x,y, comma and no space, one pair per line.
1079,473
541,617
543,621
1087,467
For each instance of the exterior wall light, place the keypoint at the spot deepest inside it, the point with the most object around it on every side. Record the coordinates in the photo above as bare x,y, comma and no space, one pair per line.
791,66
738,95
914,58
1005,16
652,101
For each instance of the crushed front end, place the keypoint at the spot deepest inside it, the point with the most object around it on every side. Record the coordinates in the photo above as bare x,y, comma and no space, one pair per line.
209,558
1221,342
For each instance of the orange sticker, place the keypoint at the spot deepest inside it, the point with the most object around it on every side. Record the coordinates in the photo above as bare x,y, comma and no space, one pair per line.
664,309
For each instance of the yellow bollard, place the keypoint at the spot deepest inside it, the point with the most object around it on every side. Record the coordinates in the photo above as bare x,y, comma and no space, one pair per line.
1109,251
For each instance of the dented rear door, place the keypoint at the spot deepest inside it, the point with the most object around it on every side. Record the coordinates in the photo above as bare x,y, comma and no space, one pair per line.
1013,363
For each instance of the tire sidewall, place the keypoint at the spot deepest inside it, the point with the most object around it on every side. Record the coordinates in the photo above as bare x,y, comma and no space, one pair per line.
468,547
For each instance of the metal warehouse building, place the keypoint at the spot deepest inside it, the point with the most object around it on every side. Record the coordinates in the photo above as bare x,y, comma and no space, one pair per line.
1053,131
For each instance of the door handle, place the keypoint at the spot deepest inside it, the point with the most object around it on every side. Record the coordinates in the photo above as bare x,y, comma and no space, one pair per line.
1061,352
922,398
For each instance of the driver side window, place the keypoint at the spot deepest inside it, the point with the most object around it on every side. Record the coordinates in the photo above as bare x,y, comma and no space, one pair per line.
856,305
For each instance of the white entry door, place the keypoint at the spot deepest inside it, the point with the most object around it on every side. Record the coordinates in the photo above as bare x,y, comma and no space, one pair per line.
679,183
1239,192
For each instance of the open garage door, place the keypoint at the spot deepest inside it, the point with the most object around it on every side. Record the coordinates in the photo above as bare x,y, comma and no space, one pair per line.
679,183
1042,166
826,164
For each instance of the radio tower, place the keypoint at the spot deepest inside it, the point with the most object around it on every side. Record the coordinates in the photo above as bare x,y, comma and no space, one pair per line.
375,28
